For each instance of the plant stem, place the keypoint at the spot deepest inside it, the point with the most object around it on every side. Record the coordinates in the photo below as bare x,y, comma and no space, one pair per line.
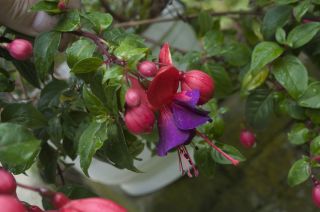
41,191
232,160
189,17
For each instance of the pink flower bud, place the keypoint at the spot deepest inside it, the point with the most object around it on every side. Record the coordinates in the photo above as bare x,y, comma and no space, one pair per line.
132,97
165,55
316,195
92,205
8,183
10,204
247,138
20,49
147,69
139,119
59,200
201,81
62,5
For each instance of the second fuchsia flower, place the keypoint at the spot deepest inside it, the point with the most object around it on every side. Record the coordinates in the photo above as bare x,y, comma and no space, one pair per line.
178,113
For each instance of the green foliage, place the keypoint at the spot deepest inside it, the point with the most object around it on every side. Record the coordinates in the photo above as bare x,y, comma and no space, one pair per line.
299,172
299,134
230,150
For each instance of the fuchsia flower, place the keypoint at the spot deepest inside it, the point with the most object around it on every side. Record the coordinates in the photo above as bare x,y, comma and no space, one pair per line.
178,113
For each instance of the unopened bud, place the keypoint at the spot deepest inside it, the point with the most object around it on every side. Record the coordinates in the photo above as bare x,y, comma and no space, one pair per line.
20,49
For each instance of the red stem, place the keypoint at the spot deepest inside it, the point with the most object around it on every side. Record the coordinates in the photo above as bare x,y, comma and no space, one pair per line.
232,160
41,191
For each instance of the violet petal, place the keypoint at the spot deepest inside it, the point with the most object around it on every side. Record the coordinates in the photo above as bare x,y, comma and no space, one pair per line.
190,97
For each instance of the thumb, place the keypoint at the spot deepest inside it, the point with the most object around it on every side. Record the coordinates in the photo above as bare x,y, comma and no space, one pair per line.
16,14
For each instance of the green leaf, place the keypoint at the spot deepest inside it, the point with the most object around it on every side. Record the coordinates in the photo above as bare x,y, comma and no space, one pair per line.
281,36
89,143
299,172
23,113
113,74
315,146
259,107
293,109
204,161
230,150
237,54
292,75
299,134
314,115
45,47
46,6
99,20
275,17
223,83
302,34
7,84
264,53
87,65
204,23
55,130
254,79
311,97
79,50
301,9
69,22
47,163
94,105
213,43
18,147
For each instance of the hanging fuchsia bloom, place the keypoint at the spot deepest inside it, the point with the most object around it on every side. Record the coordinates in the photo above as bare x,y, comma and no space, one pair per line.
178,117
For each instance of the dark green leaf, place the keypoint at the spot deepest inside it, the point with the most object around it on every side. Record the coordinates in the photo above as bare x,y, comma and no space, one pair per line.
315,146
69,22
299,172
213,43
292,75
204,161
55,129
302,34
18,147
80,50
87,65
230,150
94,105
45,47
259,107
205,23
237,54
299,134
311,97
100,21
301,9
47,163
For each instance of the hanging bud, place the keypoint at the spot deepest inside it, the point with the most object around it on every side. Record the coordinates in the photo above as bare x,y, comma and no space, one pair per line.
20,49
8,183
147,69
247,138
139,119
34,208
198,80
62,5
10,204
316,195
59,200
92,205
132,97
165,55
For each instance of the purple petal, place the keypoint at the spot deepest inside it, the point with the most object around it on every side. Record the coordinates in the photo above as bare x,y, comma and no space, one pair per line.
187,117
170,135
190,97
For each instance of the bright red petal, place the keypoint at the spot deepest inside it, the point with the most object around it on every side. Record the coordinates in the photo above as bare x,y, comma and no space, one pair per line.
165,55
163,87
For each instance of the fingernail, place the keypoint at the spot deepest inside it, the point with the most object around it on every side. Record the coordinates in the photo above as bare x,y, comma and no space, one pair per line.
44,22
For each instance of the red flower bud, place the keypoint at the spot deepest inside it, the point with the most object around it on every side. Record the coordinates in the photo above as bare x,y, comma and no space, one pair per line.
92,205
62,5
316,195
165,55
8,183
147,69
132,97
20,49
10,204
59,200
34,208
201,81
139,119
247,138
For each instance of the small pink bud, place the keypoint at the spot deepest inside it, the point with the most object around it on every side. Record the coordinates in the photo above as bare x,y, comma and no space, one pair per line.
34,208
62,5
92,205
59,200
247,138
20,49
165,55
132,97
147,69
199,80
139,119
10,204
8,183
316,195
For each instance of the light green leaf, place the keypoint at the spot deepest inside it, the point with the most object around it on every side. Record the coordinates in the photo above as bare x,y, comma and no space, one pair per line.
99,20
281,35
87,65
299,134
230,150
301,9
213,43
302,34
69,22
46,6
299,172
80,50
311,97
315,146
254,79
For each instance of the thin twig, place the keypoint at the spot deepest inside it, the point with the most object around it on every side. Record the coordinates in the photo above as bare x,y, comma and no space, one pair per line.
189,17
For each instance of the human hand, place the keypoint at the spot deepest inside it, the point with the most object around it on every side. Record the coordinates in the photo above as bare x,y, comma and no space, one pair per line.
16,14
